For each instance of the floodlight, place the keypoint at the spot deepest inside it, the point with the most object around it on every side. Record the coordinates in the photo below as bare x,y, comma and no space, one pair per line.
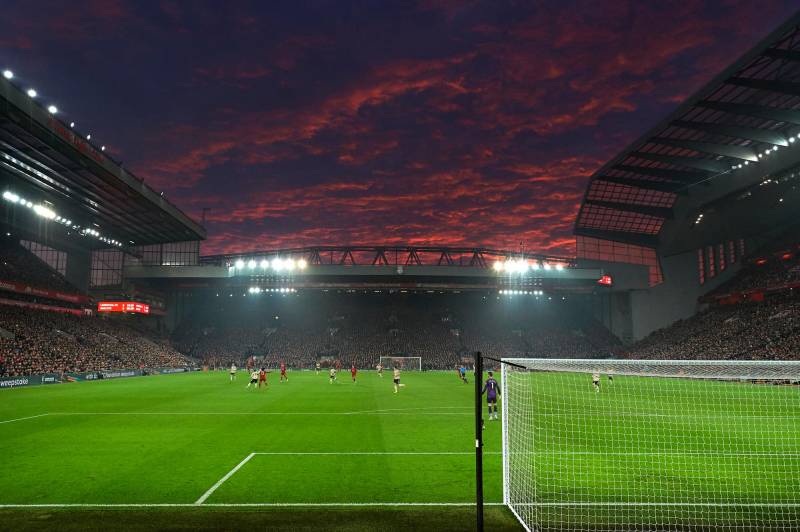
10,196
72,124
264,264
289,264
535,266
239,264
302,264
546,266
498,266
559,267
32,93
8,74
277,263
52,109
251,264
44,212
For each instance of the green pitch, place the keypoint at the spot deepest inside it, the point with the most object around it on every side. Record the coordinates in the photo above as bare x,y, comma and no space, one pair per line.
308,455
171,439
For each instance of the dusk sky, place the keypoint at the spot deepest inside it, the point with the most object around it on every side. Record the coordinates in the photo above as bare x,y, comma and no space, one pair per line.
431,122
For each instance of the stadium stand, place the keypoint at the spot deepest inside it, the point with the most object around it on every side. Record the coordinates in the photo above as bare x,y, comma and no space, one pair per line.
49,339
755,315
42,341
440,329
22,266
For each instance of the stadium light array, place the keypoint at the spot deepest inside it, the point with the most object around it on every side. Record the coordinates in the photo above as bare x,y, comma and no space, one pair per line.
278,264
52,109
521,266
44,211
765,153
258,290
521,292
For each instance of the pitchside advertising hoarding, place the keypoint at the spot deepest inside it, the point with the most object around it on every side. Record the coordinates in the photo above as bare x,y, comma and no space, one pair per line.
58,378
123,306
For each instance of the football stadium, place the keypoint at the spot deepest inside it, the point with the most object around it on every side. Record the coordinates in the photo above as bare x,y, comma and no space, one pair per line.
649,381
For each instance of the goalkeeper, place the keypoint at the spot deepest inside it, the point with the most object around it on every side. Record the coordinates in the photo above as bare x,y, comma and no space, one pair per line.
492,390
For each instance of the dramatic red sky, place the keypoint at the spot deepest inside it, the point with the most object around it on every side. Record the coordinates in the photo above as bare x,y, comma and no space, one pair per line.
436,122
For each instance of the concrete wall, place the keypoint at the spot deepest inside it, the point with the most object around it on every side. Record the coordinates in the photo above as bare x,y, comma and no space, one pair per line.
675,298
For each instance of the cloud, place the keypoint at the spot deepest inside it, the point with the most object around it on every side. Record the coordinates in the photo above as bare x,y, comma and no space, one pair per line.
442,122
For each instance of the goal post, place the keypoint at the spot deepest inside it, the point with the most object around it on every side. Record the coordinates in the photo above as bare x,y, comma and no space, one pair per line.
404,363
651,444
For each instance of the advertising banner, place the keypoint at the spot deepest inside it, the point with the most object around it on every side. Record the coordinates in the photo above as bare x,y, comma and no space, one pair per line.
14,302
29,380
22,288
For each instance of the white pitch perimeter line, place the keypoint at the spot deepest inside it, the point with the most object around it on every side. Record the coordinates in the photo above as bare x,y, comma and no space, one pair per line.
219,483
367,412
22,418
376,453
246,505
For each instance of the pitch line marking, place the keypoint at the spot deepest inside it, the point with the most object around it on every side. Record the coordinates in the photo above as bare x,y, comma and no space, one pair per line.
219,483
374,453
243,505
22,418
398,504
368,412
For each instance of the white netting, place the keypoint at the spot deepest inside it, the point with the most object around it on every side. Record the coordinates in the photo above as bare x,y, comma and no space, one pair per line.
404,363
661,445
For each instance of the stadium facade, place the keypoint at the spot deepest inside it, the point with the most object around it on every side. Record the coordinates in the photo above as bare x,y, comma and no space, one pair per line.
664,222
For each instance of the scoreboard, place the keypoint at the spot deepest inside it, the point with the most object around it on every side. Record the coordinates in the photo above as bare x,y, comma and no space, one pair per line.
123,306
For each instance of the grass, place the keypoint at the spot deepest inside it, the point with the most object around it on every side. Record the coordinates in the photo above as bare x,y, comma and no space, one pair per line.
168,439
642,449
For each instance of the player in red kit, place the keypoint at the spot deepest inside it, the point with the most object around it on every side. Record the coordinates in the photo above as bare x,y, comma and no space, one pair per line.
353,372
262,377
283,372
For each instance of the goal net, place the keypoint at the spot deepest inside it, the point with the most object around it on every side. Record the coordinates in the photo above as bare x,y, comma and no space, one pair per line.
653,445
404,363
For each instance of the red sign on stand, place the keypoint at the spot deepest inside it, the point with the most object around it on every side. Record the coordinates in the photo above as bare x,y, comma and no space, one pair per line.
123,306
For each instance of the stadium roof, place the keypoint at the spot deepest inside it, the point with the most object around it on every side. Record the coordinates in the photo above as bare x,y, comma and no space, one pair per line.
44,159
719,141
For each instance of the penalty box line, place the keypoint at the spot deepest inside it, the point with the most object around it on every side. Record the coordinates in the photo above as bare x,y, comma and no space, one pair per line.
203,498
221,481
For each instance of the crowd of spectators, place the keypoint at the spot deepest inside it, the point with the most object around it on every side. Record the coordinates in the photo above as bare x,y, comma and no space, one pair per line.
41,341
752,330
360,329
774,266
